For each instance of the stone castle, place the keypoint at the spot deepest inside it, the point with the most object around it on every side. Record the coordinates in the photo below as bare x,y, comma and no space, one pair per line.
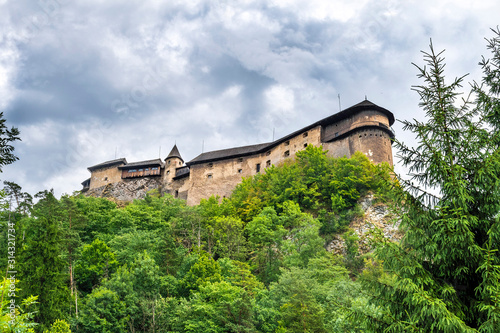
364,127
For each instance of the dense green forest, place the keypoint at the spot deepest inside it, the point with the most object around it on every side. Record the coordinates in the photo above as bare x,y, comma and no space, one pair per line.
256,262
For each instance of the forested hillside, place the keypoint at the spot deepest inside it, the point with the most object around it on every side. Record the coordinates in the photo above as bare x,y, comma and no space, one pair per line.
256,262
253,262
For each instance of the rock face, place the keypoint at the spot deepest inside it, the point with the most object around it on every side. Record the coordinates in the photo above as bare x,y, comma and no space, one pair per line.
127,189
376,215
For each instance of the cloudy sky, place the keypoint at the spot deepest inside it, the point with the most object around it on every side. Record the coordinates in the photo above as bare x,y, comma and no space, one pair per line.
88,81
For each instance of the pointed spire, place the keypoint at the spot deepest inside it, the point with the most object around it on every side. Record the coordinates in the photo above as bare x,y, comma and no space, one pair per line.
174,153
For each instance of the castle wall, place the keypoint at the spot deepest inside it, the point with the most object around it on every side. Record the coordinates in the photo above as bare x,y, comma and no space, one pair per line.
363,118
221,177
104,176
361,129
374,143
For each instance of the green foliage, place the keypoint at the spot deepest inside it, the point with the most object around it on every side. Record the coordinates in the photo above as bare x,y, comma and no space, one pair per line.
325,186
7,137
59,326
443,276
352,257
42,268
97,262
15,317
204,270
102,311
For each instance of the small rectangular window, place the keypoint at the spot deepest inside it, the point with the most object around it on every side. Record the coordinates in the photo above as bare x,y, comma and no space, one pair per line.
240,159
210,165
257,168
268,153
287,153
240,170
268,163
287,143
209,176
305,135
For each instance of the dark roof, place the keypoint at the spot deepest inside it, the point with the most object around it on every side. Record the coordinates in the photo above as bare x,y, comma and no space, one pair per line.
174,153
362,106
263,147
154,162
108,164
232,152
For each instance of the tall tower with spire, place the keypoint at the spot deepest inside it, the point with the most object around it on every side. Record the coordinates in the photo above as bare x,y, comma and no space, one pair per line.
172,162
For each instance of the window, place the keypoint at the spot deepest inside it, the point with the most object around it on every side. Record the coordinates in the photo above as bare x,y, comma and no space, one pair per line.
257,167
168,172
268,153
240,159
268,163
105,178
154,168
336,134
287,153
287,143
176,193
305,135
240,170
168,163
305,145
210,165
209,176
141,170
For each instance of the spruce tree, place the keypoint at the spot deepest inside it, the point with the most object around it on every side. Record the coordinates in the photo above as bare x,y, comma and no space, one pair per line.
444,276
42,268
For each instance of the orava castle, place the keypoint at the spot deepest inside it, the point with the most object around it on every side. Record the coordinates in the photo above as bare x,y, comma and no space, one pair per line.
364,127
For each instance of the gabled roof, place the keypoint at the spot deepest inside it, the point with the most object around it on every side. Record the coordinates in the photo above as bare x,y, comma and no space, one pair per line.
174,153
263,147
155,162
108,164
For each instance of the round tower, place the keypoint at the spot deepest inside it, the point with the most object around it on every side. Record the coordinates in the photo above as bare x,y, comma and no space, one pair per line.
172,162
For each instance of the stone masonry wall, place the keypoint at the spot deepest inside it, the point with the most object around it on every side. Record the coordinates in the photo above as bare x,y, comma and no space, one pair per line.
221,177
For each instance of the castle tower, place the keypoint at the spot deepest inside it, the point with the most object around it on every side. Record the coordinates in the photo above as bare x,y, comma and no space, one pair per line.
172,162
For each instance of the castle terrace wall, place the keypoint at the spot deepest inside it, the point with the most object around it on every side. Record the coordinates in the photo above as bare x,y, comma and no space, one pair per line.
104,176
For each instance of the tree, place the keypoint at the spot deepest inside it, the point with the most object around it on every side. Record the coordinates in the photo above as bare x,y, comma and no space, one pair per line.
97,262
444,275
59,326
103,311
42,267
7,137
